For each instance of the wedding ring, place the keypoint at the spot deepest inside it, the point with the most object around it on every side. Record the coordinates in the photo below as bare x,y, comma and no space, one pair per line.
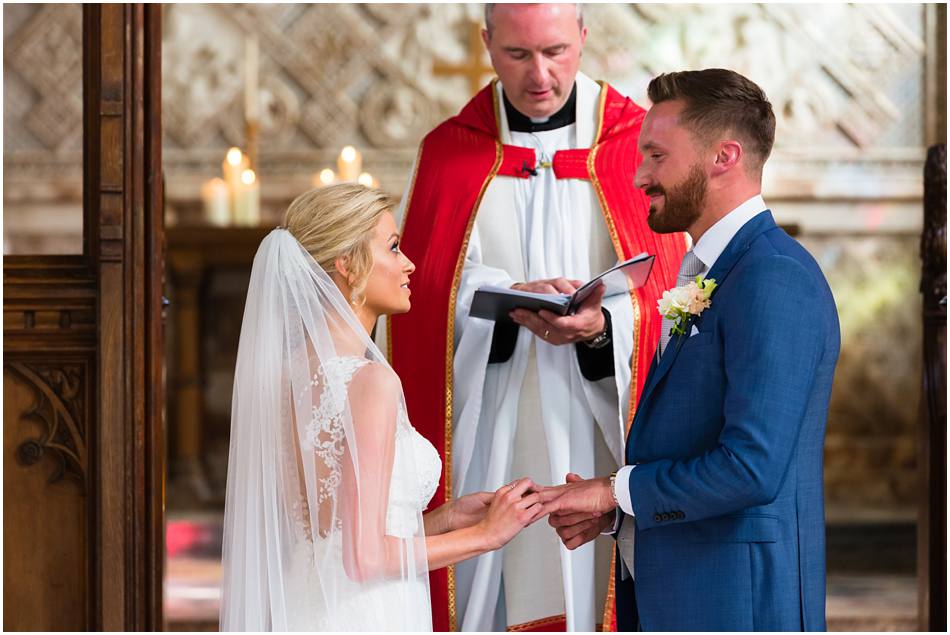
546,333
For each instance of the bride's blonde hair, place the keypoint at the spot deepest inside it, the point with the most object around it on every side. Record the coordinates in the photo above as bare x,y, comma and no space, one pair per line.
338,221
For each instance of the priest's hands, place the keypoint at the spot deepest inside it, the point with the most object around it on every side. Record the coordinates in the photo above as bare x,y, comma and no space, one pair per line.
576,528
583,326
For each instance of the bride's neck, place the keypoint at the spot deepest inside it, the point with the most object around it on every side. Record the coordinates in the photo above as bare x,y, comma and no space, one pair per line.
349,342
367,318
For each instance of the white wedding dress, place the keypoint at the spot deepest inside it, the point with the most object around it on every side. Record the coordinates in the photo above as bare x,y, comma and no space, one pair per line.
417,468
327,479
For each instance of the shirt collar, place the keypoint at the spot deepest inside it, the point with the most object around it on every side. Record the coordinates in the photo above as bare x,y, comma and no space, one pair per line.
518,122
714,241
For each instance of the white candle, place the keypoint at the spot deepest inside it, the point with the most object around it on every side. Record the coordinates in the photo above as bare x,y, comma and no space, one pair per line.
217,202
251,96
323,178
247,209
349,164
366,179
234,163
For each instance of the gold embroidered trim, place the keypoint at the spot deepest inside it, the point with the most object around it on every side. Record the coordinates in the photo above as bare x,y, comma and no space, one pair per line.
544,621
450,345
611,594
605,209
601,107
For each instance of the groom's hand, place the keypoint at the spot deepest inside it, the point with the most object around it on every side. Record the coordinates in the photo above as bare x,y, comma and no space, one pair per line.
586,324
591,496
578,528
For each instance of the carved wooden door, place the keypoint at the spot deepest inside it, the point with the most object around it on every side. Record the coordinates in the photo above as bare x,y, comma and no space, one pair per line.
83,419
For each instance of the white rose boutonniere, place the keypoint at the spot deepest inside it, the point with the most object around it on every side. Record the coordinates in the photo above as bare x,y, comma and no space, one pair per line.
681,303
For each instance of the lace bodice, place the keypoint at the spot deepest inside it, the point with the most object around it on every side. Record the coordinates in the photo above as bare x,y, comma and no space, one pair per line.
416,463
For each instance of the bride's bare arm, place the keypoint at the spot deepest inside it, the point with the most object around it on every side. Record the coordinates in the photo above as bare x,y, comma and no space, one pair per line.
512,508
368,553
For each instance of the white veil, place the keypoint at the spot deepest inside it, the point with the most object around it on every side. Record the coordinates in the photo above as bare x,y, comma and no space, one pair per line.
321,532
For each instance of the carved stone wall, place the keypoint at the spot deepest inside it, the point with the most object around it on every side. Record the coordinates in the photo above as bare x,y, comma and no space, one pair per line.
847,83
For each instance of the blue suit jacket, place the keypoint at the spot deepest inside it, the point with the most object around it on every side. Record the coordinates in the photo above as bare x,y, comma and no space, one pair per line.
728,439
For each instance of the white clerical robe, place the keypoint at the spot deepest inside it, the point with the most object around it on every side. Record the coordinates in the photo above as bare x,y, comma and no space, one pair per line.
535,415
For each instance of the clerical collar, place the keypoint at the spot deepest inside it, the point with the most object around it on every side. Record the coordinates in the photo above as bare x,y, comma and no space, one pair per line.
517,122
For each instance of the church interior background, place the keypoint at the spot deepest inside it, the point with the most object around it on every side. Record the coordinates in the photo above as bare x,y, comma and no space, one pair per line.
293,85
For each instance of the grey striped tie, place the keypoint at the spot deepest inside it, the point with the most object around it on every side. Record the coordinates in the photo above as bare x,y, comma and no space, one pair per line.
689,269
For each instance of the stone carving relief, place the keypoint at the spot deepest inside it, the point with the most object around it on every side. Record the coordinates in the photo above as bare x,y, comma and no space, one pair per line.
44,55
845,81
59,412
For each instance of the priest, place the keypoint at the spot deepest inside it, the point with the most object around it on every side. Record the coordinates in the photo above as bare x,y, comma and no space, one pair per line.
530,186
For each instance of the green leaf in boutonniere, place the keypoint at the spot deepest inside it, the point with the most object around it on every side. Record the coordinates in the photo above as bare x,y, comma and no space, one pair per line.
679,304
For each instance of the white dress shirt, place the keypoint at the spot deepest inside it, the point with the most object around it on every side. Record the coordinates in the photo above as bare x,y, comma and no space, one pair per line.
708,249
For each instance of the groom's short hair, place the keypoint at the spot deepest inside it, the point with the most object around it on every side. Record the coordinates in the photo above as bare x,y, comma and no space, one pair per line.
720,102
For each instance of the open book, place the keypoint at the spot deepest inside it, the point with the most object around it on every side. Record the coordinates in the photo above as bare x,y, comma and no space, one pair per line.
494,303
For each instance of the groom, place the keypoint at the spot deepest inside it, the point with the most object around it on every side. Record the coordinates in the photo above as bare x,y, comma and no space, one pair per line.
720,523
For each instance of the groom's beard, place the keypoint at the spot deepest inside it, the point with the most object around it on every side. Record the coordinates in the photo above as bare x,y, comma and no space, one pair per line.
682,204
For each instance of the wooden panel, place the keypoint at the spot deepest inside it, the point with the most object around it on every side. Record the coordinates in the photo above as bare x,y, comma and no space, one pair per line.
83,418
932,454
123,197
45,563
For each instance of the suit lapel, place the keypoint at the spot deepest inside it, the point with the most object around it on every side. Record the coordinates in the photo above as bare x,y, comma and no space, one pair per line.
724,264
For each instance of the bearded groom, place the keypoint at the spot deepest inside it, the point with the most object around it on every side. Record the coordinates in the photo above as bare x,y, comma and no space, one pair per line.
719,513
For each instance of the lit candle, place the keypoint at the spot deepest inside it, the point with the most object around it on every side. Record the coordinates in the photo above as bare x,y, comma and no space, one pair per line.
247,209
349,164
234,163
217,202
323,178
251,97
366,179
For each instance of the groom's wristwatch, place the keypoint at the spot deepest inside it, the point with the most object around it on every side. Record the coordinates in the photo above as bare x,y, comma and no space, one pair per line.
613,488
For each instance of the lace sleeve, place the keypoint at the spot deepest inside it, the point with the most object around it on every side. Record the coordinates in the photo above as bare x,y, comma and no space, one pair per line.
325,431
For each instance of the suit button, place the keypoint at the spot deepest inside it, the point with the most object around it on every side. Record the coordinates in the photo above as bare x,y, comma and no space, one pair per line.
657,518
666,516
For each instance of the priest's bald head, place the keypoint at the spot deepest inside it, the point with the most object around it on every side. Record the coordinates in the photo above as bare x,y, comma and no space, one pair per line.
536,52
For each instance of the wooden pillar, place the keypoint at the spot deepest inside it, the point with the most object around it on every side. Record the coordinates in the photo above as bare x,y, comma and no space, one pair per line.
83,428
123,233
932,446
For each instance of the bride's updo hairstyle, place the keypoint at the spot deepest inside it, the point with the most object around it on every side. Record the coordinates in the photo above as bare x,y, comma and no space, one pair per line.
338,221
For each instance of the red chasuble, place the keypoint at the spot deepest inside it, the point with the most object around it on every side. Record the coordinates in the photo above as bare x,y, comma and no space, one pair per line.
456,162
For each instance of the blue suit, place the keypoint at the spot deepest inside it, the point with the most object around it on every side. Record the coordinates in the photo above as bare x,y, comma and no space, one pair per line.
728,439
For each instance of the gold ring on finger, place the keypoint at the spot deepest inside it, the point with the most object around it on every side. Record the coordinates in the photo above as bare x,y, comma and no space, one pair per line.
546,333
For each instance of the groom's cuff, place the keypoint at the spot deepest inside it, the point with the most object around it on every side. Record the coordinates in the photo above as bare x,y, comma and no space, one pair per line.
622,489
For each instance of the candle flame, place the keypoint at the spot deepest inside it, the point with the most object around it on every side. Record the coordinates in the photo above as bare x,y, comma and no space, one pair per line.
348,154
365,179
234,156
248,177
327,176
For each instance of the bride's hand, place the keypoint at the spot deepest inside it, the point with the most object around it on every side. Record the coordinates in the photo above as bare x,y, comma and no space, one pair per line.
468,510
513,507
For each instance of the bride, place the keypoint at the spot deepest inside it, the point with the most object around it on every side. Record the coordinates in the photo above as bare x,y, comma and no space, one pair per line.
327,479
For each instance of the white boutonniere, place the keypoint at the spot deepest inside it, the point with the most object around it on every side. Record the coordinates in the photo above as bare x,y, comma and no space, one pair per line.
679,304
